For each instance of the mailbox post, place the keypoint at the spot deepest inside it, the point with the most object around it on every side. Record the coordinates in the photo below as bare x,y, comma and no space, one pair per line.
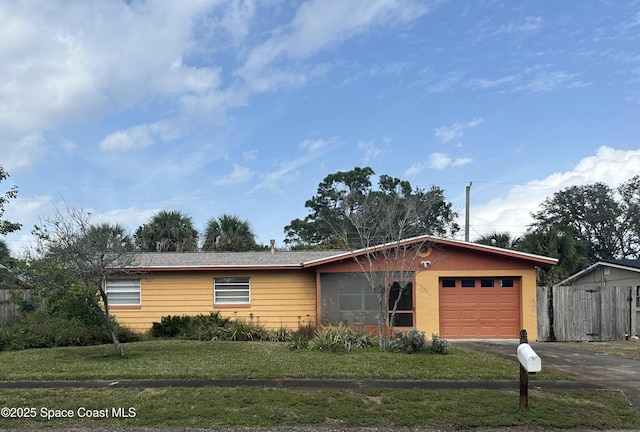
530,363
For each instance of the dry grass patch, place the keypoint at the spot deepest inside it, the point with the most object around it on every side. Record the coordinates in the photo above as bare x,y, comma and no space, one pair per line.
628,349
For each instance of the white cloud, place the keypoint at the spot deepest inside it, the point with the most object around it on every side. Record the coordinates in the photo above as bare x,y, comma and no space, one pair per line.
130,218
250,155
26,211
287,170
69,146
437,161
456,130
314,145
441,161
534,79
525,25
438,82
61,62
24,152
239,174
317,25
371,151
135,137
545,81
415,169
448,133
513,212
482,83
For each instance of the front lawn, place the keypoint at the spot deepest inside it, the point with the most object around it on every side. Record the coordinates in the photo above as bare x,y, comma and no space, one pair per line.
252,407
217,360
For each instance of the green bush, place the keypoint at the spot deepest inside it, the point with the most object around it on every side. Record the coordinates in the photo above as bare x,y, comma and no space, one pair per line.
193,327
439,345
41,330
299,343
307,331
241,330
77,303
283,334
342,338
411,342
212,327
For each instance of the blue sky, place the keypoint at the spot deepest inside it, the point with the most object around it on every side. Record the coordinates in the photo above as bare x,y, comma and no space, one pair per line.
213,107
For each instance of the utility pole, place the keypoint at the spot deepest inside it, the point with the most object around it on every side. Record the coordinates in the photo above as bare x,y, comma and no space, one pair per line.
466,214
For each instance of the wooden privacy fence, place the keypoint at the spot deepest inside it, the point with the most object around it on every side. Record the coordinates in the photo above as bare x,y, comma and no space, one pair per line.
8,309
584,313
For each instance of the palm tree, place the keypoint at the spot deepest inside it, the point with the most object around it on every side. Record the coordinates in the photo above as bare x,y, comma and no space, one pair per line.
106,237
563,244
229,233
167,231
498,239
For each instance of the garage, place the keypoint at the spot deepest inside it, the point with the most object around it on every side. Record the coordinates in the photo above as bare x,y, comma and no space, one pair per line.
480,308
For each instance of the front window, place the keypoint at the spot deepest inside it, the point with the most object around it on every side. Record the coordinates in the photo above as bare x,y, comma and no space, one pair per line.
401,292
231,290
348,298
123,292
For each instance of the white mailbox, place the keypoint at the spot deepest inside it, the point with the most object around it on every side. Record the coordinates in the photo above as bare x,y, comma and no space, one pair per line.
528,358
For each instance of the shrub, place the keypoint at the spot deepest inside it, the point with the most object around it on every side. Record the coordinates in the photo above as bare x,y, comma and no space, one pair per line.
283,334
411,342
439,345
342,338
40,330
307,331
77,303
196,327
299,343
241,330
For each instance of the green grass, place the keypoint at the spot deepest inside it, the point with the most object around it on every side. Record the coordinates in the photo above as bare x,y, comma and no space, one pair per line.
629,349
272,407
217,360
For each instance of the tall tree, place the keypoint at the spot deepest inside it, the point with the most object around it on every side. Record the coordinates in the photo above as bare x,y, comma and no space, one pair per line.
342,196
70,253
167,231
229,233
630,220
347,210
595,216
556,242
7,227
7,263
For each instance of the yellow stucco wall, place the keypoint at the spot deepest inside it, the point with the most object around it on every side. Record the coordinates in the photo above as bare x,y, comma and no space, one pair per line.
427,316
288,298
278,298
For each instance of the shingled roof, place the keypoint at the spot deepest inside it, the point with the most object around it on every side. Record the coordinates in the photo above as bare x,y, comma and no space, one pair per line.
167,261
236,260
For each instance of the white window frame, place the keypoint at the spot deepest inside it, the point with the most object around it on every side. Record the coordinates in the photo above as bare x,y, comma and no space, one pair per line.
123,292
232,291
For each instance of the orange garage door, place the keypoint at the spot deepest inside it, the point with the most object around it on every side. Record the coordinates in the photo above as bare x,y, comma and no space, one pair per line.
480,308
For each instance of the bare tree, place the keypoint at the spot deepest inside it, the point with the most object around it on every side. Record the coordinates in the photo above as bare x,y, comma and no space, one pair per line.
73,251
384,230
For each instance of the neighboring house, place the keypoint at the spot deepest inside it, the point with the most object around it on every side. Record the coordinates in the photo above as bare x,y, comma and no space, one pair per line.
457,289
613,273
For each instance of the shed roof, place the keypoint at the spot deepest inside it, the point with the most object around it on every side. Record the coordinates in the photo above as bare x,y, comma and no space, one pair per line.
632,265
171,261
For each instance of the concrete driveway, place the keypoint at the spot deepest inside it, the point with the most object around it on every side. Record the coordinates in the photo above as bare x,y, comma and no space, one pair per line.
606,371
